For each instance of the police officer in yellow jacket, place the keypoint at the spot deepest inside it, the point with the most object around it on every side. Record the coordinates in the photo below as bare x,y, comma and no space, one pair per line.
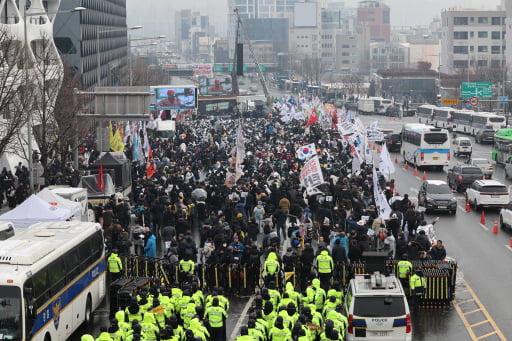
216,316
404,270
271,268
187,266
418,285
244,335
104,335
115,265
324,266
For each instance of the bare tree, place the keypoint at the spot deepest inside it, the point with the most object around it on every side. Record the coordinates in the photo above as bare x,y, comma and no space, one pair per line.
144,74
53,110
15,93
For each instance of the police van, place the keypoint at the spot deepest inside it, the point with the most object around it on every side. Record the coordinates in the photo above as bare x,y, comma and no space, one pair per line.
377,309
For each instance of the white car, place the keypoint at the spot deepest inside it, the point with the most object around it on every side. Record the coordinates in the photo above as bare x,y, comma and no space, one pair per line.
487,193
506,217
377,309
484,164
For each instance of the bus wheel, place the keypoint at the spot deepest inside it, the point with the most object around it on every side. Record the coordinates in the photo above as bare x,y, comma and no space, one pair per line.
88,312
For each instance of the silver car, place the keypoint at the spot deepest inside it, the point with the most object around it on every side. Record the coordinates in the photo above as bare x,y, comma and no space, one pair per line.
484,164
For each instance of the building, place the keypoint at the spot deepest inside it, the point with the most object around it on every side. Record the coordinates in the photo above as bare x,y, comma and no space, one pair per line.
352,51
78,37
472,40
418,86
393,55
508,33
376,15
220,52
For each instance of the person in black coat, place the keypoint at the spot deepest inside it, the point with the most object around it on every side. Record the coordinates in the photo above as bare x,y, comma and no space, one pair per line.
338,254
354,252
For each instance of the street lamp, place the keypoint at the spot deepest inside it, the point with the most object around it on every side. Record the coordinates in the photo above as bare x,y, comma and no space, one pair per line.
98,32
26,64
130,71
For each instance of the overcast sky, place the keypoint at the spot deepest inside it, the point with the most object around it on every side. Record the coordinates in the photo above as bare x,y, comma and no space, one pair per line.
157,16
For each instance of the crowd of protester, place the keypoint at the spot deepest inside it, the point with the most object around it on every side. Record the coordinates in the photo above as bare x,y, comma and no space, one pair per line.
186,214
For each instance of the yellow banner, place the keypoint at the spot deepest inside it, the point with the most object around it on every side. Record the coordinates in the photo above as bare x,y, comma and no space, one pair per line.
288,275
157,310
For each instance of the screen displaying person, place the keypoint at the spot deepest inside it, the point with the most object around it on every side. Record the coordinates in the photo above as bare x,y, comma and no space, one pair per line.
217,87
171,101
188,98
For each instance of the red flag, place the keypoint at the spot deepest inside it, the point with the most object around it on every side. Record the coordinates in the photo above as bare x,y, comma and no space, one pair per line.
100,184
150,165
312,119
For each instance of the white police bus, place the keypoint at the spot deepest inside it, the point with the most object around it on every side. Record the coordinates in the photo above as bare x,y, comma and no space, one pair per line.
425,146
425,113
53,278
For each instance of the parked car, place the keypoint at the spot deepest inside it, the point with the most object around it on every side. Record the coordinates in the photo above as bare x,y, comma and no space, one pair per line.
386,132
484,164
393,142
462,146
485,136
436,195
488,193
506,217
462,176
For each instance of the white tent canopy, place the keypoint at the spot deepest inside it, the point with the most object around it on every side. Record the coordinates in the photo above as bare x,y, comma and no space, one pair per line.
56,200
35,210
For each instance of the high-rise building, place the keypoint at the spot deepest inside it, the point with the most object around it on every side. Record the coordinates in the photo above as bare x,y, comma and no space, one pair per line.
376,15
94,40
472,39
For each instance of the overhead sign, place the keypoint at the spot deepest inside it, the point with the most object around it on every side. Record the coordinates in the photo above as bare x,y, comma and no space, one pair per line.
504,99
473,101
447,101
476,89
204,70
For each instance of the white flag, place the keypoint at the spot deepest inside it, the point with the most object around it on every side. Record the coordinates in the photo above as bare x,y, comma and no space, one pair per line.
380,198
306,151
385,164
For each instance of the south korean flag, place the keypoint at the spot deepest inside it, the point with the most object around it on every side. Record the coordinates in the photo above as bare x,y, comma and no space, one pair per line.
306,151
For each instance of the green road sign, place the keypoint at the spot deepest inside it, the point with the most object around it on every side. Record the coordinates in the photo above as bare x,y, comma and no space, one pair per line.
476,89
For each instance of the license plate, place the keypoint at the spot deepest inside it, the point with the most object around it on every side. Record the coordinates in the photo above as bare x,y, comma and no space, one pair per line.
384,333
441,207
495,196
435,158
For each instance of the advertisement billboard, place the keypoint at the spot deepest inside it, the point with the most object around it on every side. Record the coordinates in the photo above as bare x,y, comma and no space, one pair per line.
168,97
215,86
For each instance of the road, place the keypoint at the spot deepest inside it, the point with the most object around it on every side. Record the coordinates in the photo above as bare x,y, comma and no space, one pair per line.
483,259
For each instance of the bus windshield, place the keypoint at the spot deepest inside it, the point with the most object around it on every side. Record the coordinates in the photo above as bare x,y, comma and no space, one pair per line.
435,138
10,313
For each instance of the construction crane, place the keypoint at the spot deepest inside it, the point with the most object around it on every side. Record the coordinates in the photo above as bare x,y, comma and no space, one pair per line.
236,89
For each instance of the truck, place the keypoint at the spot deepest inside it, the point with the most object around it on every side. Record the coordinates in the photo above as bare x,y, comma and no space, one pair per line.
165,129
76,194
366,106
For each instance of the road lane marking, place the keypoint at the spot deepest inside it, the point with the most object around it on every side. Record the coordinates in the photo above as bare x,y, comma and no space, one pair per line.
461,208
486,316
478,323
241,320
508,247
484,227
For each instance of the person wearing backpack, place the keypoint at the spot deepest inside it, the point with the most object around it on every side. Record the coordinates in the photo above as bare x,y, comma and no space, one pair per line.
259,214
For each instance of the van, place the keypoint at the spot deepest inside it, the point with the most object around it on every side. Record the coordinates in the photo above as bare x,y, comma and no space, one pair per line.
377,309
462,146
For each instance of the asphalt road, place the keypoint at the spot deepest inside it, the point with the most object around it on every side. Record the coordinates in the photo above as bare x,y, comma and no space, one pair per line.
483,258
